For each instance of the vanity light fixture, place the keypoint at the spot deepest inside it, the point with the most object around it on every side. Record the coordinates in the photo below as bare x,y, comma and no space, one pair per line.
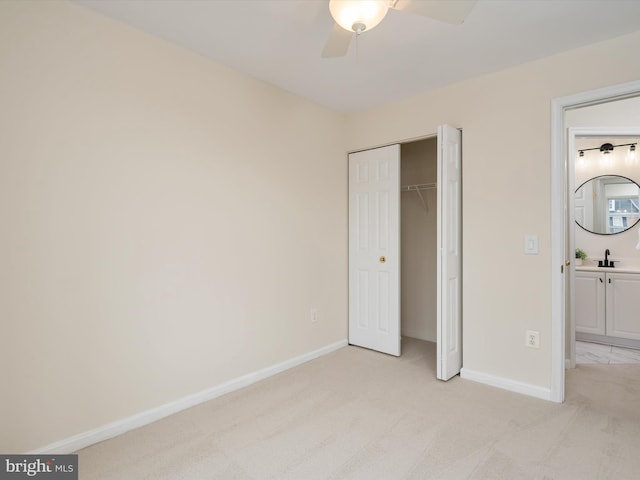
607,148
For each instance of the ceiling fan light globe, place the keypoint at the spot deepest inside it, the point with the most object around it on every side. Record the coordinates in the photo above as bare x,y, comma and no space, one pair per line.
351,13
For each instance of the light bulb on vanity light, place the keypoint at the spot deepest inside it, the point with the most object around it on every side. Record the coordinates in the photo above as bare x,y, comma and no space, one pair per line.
606,149
632,151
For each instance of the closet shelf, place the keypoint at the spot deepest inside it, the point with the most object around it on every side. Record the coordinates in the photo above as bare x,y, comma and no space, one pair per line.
418,187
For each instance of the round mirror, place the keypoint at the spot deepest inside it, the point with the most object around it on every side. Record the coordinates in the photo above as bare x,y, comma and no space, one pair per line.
607,204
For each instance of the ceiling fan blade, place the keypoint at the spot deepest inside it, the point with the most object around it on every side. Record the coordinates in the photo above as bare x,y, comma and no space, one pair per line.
449,11
338,42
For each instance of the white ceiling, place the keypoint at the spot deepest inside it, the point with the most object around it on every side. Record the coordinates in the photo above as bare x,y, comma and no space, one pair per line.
280,41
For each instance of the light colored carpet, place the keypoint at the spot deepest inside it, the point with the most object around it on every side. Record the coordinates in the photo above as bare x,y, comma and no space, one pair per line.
358,414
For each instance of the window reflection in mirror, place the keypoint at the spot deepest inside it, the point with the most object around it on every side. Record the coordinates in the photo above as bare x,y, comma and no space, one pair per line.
607,204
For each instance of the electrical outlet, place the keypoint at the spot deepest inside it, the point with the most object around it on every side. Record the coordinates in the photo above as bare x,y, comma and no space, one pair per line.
314,315
533,339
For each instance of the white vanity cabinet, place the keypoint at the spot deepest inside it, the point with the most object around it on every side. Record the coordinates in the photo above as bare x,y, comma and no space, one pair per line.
608,304
623,305
590,302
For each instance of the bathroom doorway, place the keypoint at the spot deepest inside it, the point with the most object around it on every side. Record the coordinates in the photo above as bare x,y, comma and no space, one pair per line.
604,217
562,253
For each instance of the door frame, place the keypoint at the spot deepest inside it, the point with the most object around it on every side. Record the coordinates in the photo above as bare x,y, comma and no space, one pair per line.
559,224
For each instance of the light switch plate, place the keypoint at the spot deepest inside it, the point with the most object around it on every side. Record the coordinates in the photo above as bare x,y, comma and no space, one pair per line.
530,244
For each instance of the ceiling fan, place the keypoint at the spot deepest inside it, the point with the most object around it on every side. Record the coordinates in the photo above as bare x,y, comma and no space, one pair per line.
356,16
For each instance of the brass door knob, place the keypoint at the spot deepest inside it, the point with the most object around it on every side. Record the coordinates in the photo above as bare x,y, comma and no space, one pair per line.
383,259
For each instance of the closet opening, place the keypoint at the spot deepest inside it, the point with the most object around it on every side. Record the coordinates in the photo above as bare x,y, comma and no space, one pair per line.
405,255
418,245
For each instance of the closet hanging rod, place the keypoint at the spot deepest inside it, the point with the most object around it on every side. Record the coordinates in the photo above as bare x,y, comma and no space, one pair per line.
419,186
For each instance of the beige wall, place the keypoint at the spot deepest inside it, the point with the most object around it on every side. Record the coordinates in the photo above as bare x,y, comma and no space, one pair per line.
418,165
505,119
167,223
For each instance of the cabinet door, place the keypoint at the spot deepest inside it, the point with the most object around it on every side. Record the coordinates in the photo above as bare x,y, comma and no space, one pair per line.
589,301
623,305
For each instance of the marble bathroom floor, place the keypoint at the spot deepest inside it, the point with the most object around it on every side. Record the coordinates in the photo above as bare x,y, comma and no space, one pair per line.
595,353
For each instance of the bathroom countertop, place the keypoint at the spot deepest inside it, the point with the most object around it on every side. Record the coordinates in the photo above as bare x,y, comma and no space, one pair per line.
621,269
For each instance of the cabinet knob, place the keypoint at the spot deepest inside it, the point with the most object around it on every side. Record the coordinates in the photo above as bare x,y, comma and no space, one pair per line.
382,259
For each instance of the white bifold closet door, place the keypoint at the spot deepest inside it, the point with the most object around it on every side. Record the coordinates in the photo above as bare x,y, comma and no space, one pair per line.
374,251
449,309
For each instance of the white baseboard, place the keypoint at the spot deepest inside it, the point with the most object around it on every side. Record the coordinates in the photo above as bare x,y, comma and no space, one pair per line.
105,432
506,384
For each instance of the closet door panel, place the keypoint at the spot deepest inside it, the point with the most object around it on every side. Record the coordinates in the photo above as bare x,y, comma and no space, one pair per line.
374,249
449,314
